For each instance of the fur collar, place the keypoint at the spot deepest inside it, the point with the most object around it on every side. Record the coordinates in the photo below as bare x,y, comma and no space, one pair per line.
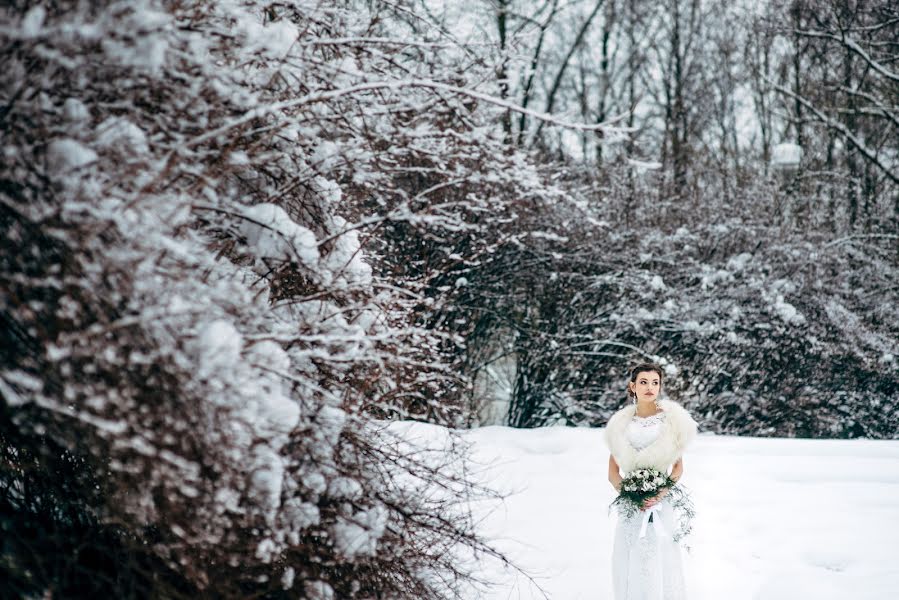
678,431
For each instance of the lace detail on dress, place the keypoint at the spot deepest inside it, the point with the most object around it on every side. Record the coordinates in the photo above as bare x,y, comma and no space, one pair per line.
650,420
642,431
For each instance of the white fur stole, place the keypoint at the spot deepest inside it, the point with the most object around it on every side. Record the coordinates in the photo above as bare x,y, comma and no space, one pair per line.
678,431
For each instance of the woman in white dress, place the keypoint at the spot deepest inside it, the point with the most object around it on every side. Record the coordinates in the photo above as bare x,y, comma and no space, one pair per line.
650,432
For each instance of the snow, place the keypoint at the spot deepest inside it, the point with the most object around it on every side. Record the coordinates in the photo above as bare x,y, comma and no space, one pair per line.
273,39
318,590
266,550
739,262
75,111
326,155
299,515
22,380
329,190
122,135
359,536
147,53
787,312
345,258
642,165
711,277
345,487
777,519
266,481
227,499
65,155
218,346
287,578
270,355
33,22
238,158
270,409
315,482
274,413
271,233
331,421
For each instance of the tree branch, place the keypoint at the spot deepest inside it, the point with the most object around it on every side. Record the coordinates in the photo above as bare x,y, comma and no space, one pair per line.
550,100
318,97
852,45
841,128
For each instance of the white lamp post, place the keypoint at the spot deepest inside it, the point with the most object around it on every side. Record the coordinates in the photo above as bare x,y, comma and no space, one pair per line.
785,158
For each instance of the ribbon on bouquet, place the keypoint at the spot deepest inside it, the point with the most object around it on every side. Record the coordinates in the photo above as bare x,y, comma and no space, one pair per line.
656,521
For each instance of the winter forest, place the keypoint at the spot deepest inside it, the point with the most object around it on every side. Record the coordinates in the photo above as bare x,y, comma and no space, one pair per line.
281,279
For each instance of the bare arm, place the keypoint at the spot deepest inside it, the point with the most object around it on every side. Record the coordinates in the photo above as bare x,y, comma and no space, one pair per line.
614,474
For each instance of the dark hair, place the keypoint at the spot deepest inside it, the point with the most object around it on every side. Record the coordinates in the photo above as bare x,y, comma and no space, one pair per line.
643,367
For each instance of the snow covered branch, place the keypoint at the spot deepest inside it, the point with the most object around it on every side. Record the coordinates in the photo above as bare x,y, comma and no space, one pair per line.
843,130
854,47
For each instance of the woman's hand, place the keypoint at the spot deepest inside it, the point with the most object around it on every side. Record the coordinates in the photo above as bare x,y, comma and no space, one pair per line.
650,502
676,473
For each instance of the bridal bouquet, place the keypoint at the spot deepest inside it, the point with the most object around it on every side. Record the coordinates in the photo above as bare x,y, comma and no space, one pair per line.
638,486
642,484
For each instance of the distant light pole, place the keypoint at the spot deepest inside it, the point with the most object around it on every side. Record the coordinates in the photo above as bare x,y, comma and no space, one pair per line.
785,160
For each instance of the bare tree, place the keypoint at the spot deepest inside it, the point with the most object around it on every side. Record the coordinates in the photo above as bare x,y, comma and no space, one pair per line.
843,85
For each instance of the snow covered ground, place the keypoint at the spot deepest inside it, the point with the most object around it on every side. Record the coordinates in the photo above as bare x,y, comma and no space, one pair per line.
777,519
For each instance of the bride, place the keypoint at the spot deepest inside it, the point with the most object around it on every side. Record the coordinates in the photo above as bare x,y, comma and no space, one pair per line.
646,562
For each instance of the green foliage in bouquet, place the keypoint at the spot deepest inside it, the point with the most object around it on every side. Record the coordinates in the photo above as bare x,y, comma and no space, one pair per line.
642,484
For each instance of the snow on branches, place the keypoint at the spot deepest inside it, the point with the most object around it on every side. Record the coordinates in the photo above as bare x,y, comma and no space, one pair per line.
195,338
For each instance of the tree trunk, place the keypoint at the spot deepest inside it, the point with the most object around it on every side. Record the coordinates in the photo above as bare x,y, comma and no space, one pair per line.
502,73
605,78
557,82
678,109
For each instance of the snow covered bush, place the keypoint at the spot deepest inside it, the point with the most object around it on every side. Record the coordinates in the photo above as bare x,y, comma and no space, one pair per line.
764,329
194,339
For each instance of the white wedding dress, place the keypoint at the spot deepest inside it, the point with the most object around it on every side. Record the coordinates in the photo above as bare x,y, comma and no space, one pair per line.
647,567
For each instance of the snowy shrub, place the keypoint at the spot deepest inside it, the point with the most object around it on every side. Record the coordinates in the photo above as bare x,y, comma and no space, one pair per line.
762,329
194,339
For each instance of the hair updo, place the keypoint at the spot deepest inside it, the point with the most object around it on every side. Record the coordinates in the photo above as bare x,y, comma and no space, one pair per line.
644,367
